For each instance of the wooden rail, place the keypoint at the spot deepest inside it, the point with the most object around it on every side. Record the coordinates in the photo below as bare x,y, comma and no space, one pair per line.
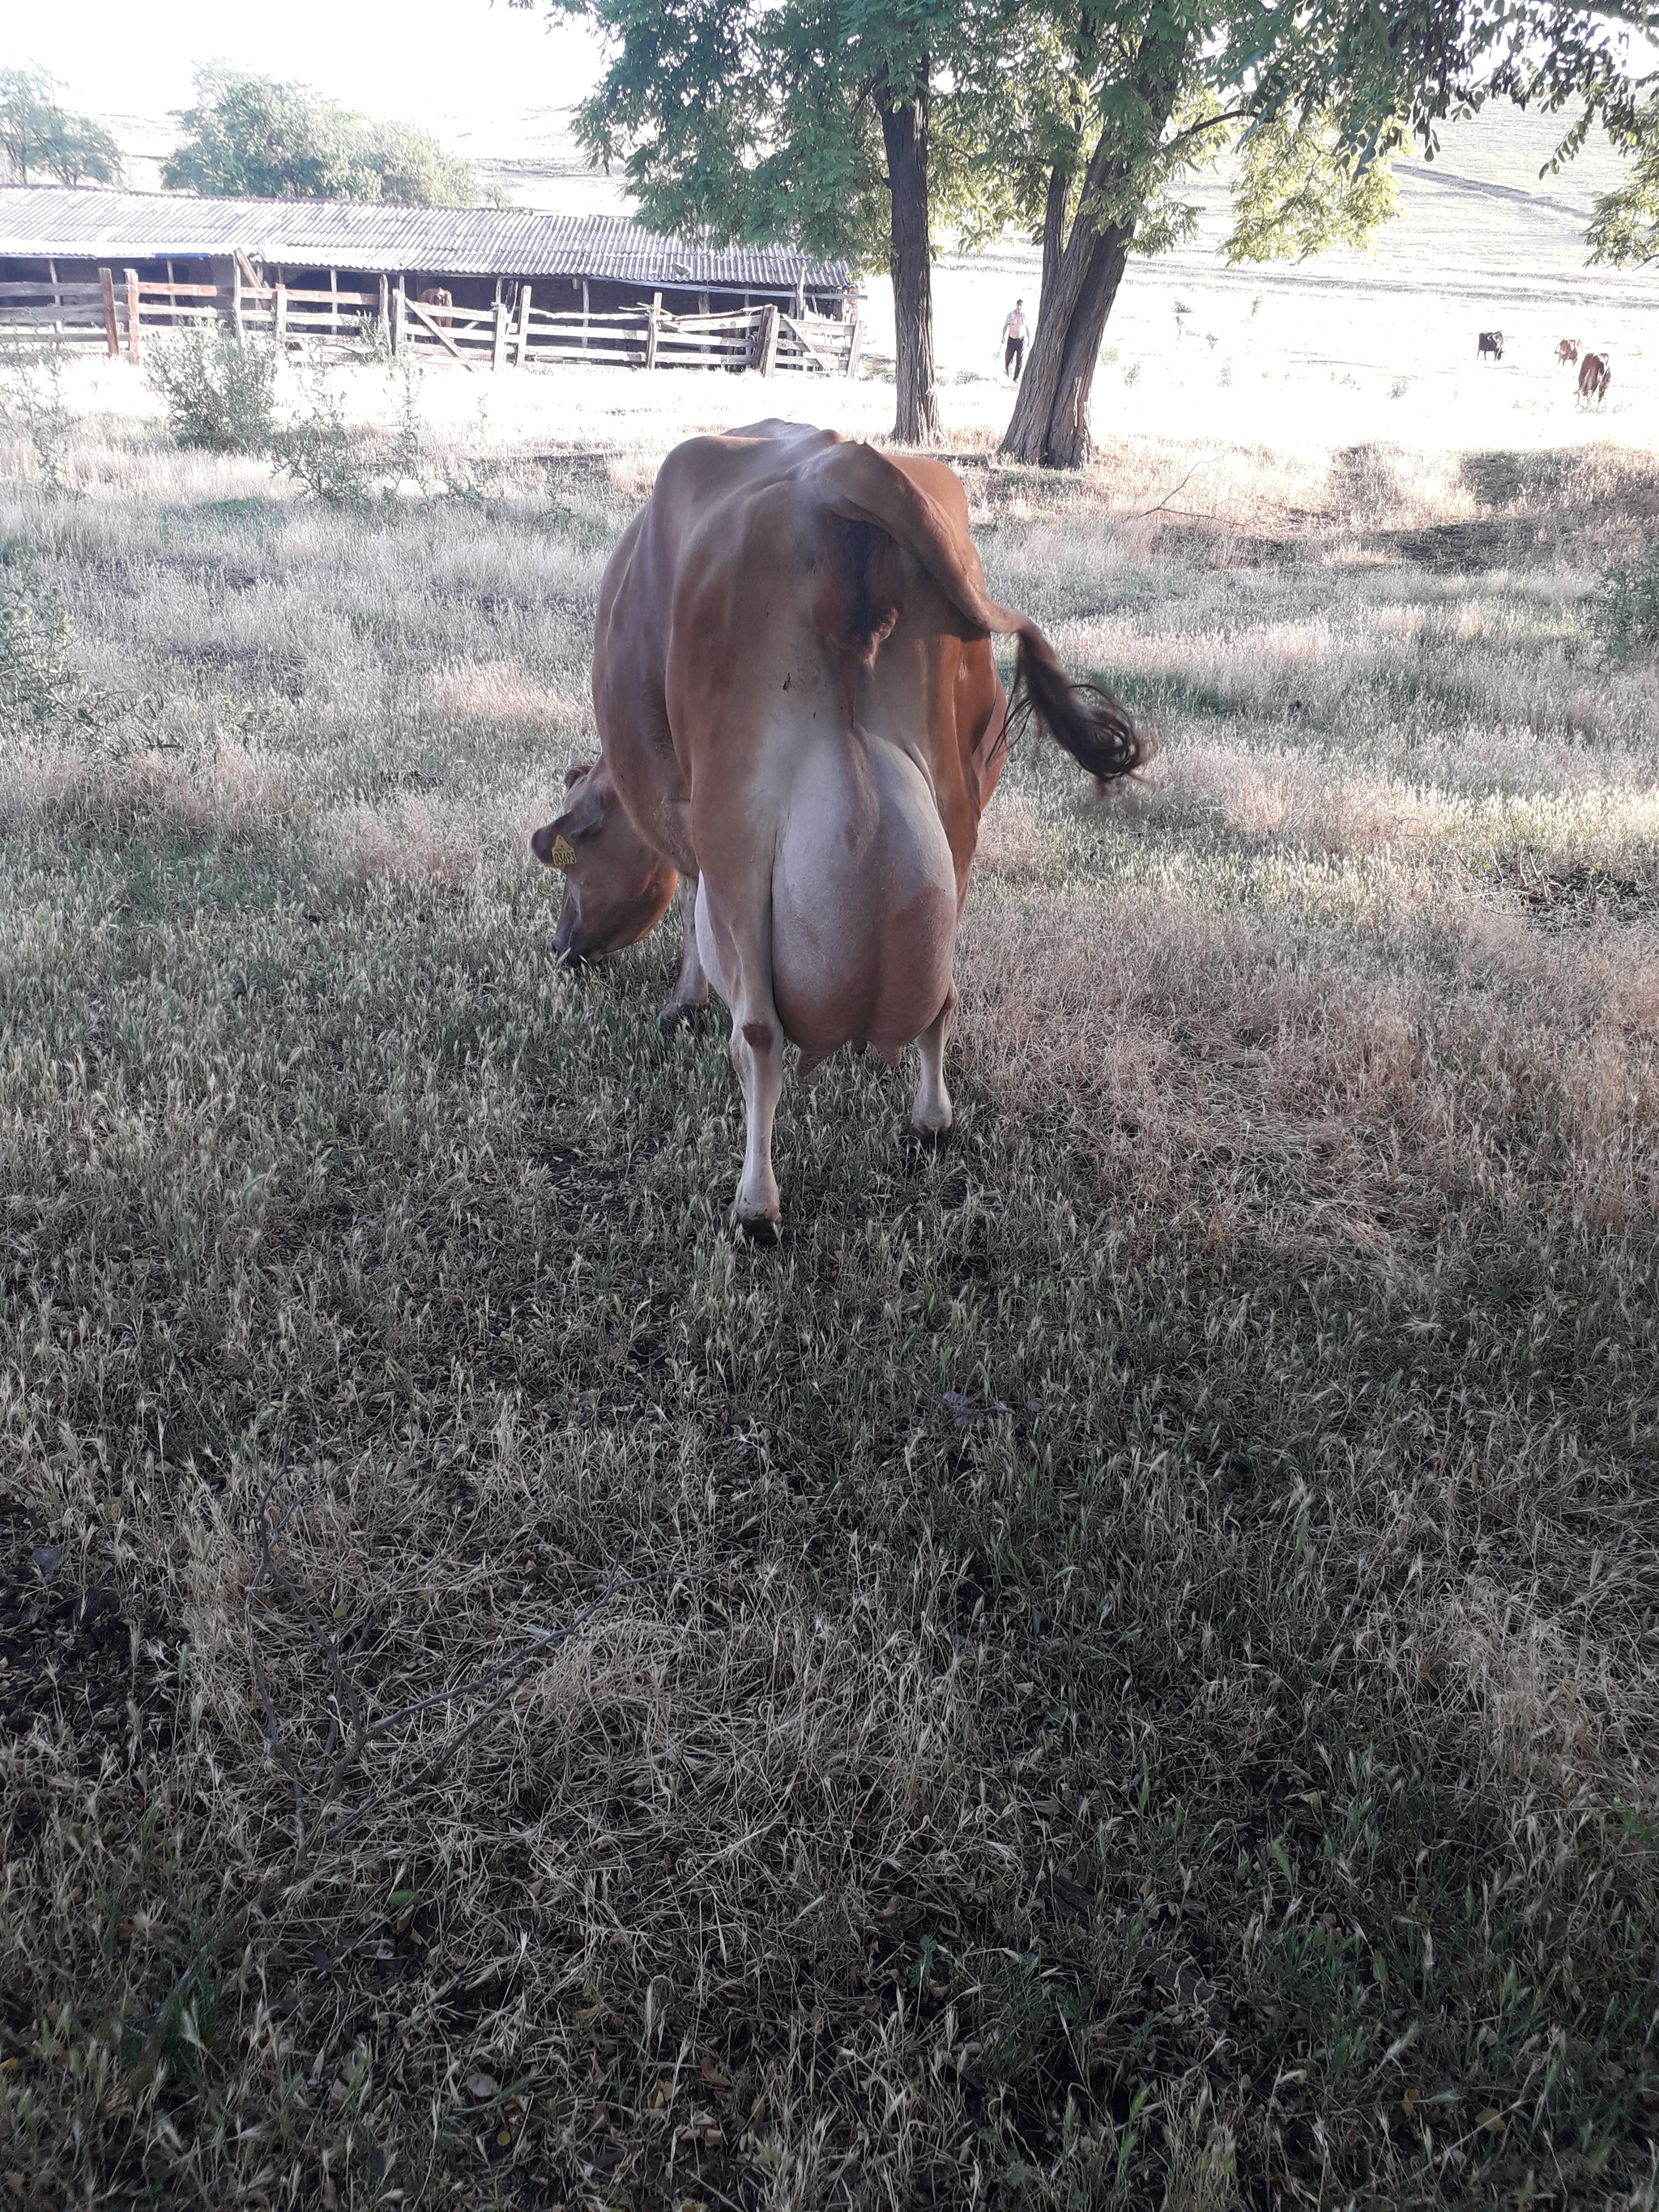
121,309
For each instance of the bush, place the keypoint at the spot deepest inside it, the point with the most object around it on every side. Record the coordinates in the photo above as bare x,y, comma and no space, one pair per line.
41,689
32,406
1625,615
219,392
322,452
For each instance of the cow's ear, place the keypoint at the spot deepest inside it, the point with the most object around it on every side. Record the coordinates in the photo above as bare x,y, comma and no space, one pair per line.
555,842
586,811
573,775
551,845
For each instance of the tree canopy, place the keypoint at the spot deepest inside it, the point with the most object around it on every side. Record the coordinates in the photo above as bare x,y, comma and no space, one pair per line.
1314,101
39,136
252,136
1624,231
830,125
863,128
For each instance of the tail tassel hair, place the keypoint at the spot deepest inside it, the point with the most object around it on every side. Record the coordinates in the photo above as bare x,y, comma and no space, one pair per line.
1090,722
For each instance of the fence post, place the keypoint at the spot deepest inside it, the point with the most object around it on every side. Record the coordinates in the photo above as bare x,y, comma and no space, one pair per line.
854,343
386,310
112,328
768,338
584,314
523,323
236,300
132,317
652,314
498,348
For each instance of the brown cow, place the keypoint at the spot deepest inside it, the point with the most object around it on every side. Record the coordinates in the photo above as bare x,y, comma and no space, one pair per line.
1594,375
1567,352
436,296
624,889
800,715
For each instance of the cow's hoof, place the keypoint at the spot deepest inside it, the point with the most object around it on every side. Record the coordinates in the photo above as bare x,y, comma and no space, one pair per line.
926,1140
760,1229
675,1016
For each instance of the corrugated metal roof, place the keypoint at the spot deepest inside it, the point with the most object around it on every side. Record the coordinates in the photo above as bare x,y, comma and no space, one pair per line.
79,222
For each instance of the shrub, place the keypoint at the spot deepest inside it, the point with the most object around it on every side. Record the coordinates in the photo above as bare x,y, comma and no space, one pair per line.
1625,613
41,689
319,449
32,405
219,391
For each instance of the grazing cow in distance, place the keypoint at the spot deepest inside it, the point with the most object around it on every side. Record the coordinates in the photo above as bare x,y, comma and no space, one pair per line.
801,717
436,296
1490,341
1595,374
1567,352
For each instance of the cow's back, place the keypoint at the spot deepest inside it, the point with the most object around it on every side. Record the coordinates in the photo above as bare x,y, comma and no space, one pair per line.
699,485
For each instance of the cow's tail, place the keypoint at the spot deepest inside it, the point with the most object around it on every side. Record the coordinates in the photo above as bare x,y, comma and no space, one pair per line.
1090,721
862,486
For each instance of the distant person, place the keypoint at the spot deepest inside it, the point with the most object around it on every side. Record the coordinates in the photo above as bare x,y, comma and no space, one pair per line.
1013,342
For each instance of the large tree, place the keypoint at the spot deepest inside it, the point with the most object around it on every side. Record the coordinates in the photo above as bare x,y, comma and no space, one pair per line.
832,124
860,126
1624,230
1122,102
39,136
252,136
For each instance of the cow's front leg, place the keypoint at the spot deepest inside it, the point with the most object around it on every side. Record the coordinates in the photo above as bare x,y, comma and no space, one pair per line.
758,1056
691,989
932,1112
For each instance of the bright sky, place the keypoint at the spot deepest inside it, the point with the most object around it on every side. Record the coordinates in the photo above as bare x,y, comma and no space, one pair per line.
434,63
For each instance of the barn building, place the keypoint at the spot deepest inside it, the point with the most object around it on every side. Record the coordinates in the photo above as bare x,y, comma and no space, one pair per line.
66,233
500,288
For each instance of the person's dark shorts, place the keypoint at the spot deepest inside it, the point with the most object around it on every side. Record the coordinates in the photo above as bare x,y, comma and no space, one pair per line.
1013,359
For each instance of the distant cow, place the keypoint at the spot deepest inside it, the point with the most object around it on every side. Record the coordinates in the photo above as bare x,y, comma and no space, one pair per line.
1567,352
1594,377
801,716
436,296
1491,341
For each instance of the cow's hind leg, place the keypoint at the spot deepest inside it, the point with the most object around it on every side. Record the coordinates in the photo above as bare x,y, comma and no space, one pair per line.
690,988
758,1056
933,1113
741,972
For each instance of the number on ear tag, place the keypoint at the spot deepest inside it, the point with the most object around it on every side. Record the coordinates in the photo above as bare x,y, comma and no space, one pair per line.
563,854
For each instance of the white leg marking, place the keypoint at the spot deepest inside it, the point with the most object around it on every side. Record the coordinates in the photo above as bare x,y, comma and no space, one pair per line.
758,1056
745,985
932,1110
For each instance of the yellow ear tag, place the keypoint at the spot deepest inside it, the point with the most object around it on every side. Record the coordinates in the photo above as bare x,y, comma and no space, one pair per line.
563,854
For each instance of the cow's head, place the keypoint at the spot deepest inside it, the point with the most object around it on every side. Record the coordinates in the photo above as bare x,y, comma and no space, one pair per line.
616,888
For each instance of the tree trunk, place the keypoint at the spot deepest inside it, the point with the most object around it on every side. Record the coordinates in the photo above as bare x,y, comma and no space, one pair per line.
904,136
1050,425
1053,231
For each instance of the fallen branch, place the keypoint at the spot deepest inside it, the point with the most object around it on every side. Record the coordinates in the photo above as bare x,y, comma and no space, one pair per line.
1169,495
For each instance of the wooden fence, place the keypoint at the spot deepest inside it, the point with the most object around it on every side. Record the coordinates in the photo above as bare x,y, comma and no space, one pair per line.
119,311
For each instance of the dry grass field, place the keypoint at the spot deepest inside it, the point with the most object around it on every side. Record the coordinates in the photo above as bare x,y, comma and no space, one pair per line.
1116,1666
